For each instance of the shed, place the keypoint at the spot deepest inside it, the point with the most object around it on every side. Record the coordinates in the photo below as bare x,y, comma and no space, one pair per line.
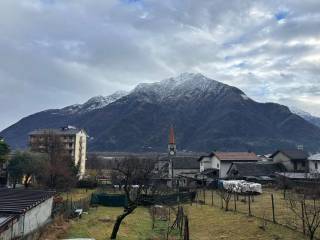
22,212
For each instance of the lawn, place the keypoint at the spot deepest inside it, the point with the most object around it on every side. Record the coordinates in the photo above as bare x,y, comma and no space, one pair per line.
206,223
77,194
210,223
98,224
261,206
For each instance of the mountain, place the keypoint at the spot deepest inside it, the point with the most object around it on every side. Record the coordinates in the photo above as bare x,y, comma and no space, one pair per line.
93,103
207,115
307,116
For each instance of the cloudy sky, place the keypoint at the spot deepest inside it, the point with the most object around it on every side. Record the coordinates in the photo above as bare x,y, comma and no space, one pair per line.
55,53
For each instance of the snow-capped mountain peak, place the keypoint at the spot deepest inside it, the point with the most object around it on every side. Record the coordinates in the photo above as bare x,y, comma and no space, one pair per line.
94,103
184,84
305,115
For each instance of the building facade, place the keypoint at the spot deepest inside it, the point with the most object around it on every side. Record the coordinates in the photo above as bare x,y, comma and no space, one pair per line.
220,162
294,160
73,142
314,163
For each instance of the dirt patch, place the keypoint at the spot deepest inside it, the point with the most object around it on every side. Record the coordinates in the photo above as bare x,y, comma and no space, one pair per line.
55,230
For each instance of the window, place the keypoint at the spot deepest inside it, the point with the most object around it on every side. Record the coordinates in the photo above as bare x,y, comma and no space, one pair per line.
316,165
217,165
303,164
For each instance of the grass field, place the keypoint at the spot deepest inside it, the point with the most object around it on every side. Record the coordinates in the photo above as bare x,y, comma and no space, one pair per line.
98,224
206,223
77,194
211,223
261,206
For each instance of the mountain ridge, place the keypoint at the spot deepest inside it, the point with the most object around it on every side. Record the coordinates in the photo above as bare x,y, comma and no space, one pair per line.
207,115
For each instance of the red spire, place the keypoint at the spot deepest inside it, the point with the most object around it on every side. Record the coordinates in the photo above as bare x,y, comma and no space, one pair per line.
171,136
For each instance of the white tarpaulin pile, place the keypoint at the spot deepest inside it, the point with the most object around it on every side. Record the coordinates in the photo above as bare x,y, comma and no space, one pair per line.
241,186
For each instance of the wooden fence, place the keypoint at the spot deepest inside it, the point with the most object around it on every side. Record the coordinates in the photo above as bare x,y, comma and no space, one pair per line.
170,222
271,206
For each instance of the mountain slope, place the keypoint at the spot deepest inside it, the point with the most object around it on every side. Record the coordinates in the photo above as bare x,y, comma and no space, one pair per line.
307,116
207,115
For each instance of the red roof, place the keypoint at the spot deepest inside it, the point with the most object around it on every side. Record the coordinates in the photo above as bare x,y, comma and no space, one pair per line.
236,156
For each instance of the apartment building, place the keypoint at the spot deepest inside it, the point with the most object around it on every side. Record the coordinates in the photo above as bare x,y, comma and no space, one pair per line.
71,139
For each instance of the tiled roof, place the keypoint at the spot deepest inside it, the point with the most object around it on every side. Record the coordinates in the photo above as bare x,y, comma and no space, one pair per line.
293,154
184,162
17,201
236,156
257,169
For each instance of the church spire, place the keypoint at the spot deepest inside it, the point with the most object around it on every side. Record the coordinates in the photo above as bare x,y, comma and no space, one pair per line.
172,143
171,136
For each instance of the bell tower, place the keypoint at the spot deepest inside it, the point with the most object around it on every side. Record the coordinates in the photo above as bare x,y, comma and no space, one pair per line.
172,148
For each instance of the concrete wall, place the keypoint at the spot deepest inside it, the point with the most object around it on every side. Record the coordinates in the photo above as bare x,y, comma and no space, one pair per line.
80,150
225,165
281,158
205,163
15,229
314,166
37,216
31,221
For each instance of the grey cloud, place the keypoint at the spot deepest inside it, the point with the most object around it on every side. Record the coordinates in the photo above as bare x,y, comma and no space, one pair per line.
55,53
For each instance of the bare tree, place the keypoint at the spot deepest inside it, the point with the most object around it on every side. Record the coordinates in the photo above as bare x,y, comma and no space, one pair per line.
134,174
61,170
305,204
225,195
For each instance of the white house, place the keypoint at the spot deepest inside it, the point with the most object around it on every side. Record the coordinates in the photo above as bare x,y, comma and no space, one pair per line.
314,163
220,162
23,212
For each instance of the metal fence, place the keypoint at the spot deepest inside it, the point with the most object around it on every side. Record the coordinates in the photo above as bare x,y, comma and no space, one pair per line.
67,207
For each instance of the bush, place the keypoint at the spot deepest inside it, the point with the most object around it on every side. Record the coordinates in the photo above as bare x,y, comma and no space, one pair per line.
87,183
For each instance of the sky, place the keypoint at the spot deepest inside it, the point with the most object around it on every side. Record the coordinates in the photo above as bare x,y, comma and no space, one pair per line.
55,53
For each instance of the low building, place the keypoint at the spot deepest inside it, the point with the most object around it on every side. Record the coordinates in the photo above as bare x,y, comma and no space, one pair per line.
220,162
74,143
182,169
23,212
262,172
294,160
314,163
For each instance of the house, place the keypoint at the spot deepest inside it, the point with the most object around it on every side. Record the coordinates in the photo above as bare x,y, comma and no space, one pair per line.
263,172
220,162
314,163
294,160
23,212
182,169
74,142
